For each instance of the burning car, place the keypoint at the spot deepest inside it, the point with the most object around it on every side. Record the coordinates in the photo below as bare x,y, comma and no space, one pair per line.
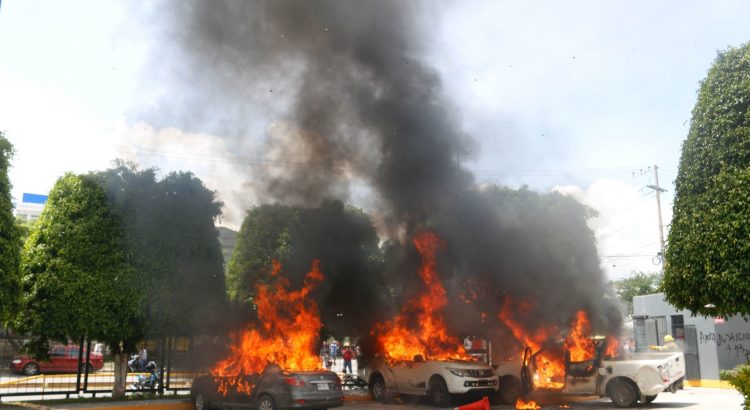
272,389
436,379
419,331
625,379
274,366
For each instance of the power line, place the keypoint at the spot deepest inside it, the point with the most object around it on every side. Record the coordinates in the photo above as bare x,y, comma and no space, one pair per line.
238,160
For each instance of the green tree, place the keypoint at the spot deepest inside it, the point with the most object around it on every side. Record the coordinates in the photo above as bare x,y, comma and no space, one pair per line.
341,237
171,237
265,235
708,247
637,284
77,280
10,242
187,286
24,228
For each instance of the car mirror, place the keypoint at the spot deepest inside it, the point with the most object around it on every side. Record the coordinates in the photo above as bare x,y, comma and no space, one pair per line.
418,358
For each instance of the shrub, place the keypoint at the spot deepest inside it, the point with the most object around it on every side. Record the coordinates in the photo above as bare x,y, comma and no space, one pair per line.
739,377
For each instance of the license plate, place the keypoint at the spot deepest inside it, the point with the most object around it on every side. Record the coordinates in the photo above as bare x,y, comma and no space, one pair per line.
323,386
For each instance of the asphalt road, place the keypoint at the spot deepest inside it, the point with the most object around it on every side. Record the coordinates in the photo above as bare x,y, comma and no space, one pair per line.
691,398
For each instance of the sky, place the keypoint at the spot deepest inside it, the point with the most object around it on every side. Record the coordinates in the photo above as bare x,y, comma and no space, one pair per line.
579,97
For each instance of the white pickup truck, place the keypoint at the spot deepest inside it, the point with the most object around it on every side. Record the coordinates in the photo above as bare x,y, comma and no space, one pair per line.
436,379
626,379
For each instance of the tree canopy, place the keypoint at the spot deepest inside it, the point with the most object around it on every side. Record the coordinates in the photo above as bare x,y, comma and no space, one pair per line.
170,234
707,257
77,281
10,242
118,257
637,284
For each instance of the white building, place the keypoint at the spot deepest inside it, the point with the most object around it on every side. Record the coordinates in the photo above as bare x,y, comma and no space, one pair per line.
30,207
710,344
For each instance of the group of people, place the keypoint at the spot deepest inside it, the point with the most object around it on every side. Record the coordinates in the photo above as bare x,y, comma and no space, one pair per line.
331,350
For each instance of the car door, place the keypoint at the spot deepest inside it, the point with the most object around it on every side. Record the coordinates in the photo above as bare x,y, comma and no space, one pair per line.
235,399
56,358
404,374
70,363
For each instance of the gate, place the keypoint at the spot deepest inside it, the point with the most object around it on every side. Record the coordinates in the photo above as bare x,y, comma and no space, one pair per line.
72,369
692,364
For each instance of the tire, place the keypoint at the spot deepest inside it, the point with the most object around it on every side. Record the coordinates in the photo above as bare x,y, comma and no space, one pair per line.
378,388
200,402
510,389
623,394
31,369
87,368
266,403
438,392
649,399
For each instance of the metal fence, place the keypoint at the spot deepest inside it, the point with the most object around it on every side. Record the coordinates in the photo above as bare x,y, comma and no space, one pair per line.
73,368
692,359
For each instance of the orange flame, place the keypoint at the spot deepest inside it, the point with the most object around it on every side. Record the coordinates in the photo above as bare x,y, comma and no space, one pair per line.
579,342
288,336
531,404
399,339
549,363
534,339
550,369
613,347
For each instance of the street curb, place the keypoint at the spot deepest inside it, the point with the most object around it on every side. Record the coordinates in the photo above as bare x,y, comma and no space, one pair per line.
140,405
716,384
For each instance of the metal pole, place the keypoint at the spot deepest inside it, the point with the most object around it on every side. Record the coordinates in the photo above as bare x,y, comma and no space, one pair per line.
80,365
87,361
659,190
658,205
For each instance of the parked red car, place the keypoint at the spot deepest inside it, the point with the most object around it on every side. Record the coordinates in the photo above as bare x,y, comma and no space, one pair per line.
62,359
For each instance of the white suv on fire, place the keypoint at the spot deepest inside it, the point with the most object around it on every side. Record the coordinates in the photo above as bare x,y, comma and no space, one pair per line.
437,380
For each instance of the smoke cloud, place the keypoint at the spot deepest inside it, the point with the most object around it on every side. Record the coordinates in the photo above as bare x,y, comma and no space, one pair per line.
343,105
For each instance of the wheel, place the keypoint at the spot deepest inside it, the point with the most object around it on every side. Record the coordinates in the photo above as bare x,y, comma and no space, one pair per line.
31,369
510,389
266,403
649,399
623,394
87,368
378,389
438,392
200,402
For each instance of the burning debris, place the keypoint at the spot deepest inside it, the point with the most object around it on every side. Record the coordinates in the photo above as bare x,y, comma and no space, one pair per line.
287,337
531,404
420,328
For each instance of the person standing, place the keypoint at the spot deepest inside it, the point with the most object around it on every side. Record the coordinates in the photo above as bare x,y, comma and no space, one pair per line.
143,357
668,346
333,351
347,356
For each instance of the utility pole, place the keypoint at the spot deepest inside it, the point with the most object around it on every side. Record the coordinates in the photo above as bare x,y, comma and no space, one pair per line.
658,190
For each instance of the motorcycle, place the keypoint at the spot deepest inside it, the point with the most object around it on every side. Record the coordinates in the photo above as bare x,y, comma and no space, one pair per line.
136,365
149,382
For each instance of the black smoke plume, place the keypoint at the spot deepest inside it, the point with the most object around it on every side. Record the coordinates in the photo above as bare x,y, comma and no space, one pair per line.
356,112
